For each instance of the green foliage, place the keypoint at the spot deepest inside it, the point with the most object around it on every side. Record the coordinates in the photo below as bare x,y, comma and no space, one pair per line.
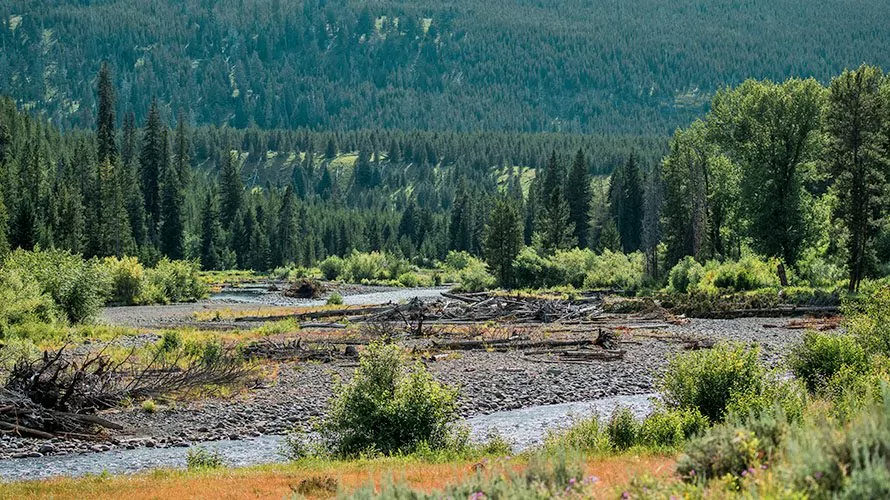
199,458
545,477
586,435
389,407
734,449
821,356
174,281
365,266
78,287
127,279
335,299
332,268
687,273
668,428
623,429
23,301
615,270
709,380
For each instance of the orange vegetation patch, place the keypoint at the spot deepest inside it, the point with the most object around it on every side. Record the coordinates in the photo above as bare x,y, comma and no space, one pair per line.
283,481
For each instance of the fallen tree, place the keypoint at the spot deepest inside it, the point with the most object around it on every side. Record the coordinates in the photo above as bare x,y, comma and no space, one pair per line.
60,392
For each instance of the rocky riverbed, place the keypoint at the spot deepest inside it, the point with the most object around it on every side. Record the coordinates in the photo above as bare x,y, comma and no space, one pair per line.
489,382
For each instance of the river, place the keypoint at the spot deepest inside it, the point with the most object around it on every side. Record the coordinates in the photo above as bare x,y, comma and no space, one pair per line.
524,428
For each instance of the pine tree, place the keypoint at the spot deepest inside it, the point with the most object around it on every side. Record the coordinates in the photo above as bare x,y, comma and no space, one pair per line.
626,195
116,235
151,159
211,234
503,240
286,230
105,136
172,228
578,197
462,229
231,190
859,160
555,231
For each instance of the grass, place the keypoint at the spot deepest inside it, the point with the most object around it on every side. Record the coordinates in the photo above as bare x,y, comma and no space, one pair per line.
281,480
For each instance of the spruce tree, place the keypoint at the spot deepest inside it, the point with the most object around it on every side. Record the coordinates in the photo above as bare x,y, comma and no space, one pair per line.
231,190
211,234
626,195
578,196
503,240
286,230
172,228
105,136
151,160
554,230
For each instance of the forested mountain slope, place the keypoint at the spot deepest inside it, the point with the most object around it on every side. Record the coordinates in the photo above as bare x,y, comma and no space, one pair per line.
608,66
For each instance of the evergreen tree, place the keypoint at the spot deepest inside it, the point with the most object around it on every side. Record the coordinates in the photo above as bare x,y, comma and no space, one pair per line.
578,197
555,230
462,229
503,240
626,195
859,160
172,228
286,231
232,190
116,235
151,160
212,240
105,136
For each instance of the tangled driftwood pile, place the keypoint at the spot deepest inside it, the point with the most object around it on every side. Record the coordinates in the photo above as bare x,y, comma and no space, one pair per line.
460,309
61,392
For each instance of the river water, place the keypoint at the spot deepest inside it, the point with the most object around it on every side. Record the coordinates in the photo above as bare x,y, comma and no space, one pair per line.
524,428
259,294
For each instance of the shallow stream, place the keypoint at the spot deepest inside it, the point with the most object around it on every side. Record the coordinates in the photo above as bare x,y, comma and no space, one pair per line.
524,428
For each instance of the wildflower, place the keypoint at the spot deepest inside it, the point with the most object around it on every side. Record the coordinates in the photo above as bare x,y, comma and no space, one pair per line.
818,475
625,495
763,467
572,481
479,495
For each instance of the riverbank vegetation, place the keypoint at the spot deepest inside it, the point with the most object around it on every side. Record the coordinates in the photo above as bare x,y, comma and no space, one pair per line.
415,210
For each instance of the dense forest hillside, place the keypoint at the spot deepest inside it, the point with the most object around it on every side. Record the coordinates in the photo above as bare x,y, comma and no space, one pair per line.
608,66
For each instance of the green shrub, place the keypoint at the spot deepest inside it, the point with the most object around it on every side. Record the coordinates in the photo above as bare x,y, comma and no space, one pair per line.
868,318
708,380
389,407
199,458
365,266
616,270
622,429
820,356
333,268
545,477
671,427
458,260
530,270
174,281
826,460
586,435
685,275
475,277
570,267
127,279
79,288
23,301
409,280
776,393
335,299
730,448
